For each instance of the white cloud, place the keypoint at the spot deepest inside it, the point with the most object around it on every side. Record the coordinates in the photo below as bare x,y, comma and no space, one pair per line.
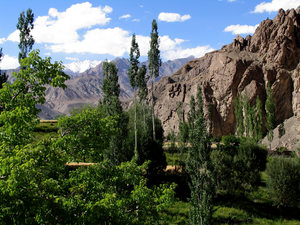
275,5
172,17
9,62
231,0
125,16
136,20
113,41
73,59
61,27
2,40
47,53
197,52
241,29
141,6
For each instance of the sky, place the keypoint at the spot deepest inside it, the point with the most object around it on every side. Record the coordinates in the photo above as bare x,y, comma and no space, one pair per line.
74,31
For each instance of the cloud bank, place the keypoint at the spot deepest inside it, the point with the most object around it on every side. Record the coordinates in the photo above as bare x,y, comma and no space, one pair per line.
241,29
275,5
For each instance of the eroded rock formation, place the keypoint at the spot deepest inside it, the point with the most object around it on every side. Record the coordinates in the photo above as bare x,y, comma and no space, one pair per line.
248,64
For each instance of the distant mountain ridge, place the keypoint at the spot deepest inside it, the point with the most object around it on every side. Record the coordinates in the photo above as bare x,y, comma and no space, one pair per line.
75,68
86,87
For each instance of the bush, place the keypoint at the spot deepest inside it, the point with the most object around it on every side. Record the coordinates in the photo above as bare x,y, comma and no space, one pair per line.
237,168
283,181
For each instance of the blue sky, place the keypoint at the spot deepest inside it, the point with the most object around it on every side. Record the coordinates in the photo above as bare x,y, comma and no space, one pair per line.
69,30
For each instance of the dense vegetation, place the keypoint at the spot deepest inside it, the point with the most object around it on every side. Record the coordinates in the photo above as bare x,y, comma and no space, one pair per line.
231,182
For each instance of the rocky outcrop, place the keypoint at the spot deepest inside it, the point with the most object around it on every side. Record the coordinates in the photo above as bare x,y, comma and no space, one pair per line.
248,64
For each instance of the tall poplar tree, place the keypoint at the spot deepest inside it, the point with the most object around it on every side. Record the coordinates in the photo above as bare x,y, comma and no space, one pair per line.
259,119
111,104
270,114
154,63
238,111
133,78
199,167
25,26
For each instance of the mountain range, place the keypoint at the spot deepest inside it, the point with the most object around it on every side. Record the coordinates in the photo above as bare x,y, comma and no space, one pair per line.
85,87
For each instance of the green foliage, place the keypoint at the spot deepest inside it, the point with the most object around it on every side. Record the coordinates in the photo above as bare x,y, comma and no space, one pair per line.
284,181
3,76
258,120
18,100
36,188
281,130
111,106
111,89
199,166
154,64
270,113
148,149
25,26
86,135
238,111
238,167
77,110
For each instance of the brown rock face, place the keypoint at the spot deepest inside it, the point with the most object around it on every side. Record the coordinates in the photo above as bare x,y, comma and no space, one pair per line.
246,65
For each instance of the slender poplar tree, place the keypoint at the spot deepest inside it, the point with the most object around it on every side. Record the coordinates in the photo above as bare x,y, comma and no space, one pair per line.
133,78
111,106
25,26
154,63
270,114
143,79
238,111
199,167
259,119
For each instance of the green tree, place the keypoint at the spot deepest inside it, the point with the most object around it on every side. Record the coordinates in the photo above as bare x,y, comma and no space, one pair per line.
199,168
154,63
238,111
133,78
210,117
258,120
111,105
3,76
18,100
248,116
270,114
183,134
283,181
237,165
36,186
25,26
148,148
281,130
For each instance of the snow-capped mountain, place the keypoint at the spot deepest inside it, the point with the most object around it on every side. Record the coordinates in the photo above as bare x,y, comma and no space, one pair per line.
75,68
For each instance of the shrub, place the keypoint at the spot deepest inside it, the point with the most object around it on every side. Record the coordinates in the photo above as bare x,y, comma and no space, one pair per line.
283,181
237,168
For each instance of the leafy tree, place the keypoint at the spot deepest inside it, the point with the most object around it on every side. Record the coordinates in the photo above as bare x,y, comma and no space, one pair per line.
18,100
111,105
35,184
199,168
258,120
283,181
148,149
183,134
154,63
133,78
25,26
281,130
210,117
248,116
237,165
86,135
192,114
238,111
270,114
3,77
37,188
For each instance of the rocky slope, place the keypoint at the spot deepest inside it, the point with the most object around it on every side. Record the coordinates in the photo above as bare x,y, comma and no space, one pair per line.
248,64
86,87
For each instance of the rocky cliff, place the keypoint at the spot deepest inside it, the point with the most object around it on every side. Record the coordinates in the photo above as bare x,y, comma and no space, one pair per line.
248,64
